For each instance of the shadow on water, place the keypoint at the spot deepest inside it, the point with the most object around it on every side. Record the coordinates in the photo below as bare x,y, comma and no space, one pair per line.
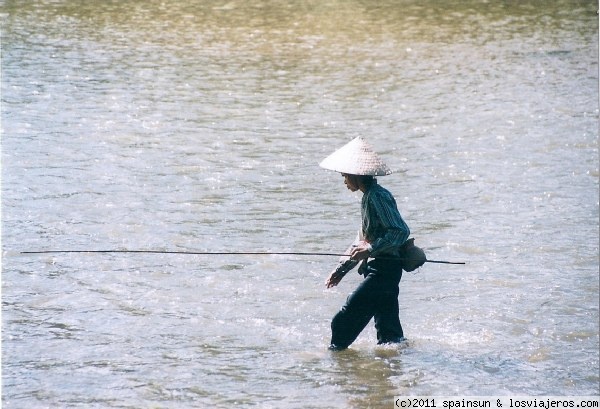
368,377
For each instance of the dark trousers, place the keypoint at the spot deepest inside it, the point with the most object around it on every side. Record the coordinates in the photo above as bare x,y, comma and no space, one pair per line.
376,297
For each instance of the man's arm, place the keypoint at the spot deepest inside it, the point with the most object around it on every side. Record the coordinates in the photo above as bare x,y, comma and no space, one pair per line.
346,264
340,271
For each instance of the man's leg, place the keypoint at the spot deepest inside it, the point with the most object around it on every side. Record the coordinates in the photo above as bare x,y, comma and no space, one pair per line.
353,317
387,319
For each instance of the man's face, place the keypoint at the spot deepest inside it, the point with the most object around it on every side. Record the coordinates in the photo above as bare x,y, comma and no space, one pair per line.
351,182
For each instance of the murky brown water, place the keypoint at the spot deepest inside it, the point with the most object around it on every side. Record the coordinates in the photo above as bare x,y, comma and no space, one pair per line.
187,125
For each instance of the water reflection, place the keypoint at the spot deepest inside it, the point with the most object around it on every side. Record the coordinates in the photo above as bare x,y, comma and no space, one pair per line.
370,378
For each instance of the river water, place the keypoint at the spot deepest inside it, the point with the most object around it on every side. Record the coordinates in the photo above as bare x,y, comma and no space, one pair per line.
199,125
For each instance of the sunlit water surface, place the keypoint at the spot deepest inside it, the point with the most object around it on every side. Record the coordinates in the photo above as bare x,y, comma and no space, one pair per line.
182,125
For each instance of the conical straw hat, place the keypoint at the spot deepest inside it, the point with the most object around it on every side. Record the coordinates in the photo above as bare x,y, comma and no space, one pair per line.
357,157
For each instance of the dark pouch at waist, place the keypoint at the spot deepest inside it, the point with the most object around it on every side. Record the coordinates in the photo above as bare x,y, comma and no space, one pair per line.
411,256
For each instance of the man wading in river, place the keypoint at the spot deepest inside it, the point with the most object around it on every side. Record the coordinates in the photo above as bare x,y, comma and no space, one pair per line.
382,233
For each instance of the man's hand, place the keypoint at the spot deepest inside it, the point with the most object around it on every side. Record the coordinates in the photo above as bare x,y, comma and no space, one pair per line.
334,278
360,251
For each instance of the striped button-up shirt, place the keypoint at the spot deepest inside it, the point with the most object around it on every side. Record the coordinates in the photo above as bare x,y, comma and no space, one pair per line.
382,226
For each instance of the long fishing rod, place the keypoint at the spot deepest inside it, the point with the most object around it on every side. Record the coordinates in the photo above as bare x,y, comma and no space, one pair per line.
219,253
